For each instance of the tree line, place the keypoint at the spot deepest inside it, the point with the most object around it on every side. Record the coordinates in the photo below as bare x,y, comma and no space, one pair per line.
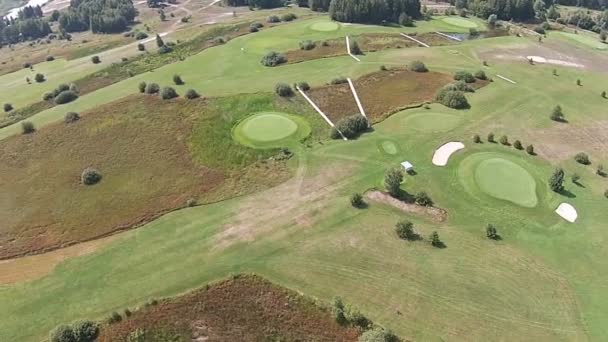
28,25
263,4
99,16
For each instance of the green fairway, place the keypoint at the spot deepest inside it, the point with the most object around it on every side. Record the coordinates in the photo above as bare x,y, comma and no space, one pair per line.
431,122
389,147
506,180
585,39
269,129
460,22
325,26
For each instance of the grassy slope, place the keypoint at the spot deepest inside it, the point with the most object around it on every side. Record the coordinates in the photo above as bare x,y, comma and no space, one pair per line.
543,281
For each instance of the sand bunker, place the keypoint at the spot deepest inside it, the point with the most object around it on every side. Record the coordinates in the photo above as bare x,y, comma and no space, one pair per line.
443,153
543,60
567,212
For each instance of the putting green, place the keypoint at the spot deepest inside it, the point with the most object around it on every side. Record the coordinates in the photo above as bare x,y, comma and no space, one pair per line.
503,179
270,129
584,39
325,26
389,147
431,122
460,22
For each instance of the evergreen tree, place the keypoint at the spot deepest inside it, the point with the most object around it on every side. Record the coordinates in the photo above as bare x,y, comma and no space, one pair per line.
556,181
159,41
392,182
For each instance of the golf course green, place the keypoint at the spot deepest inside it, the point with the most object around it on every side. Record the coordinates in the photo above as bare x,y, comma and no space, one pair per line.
460,22
266,129
506,180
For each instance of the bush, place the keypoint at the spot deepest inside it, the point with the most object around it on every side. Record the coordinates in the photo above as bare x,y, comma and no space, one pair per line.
351,126
273,58
164,49
504,140
141,47
141,35
115,317
273,19
530,149
575,178
253,29
606,193
517,144
355,49
356,200
378,335
460,86
85,331
74,88
603,94
142,87
257,25
422,198
383,68
600,170
283,89
436,241
392,182
27,127
95,60
557,114
304,86
71,117
464,76
491,137
452,98
219,40
168,93
62,333
90,176
288,17
339,80
8,107
556,181
405,230
492,232
48,96
65,97
477,139
192,94
405,20
582,158
152,88
39,78
539,29
177,79
418,66
481,75
307,45
128,312
50,58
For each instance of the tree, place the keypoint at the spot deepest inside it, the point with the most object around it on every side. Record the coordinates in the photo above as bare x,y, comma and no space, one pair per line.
423,199
492,232
504,140
530,150
71,117
39,78
378,334
162,15
600,170
372,11
451,98
159,41
27,127
90,176
85,331
338,311
575,178
152,88
477,139
405,230
578,82
556,181
351,126
95,60
392,181
273,58
177,79
168,93
418,66
283,89
142,87
191,94
491,137
355,49
553,13
604,94
557,114
141,47
464,76
435,241
405,20
356,200
62,333
492,19
481,75
65,97
8,107
517,144
582,158
603,36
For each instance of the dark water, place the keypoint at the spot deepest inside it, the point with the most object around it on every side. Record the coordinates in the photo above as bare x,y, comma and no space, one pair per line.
480,35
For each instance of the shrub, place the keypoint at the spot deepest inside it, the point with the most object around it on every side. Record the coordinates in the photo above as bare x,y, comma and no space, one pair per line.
604,94
530,149
460,86
257,25
283,89
142,87
307,45
600,170
405,20
219,40
168,93
85,331
90,176
392,182
27,65
48,96
95,60
141,35
606,193
452,98
164,49
141,47
355,49
378,334
422,198
418,66
65,97
517,144
39,78
62,333
60,88
253,29
481,75
71,117
74,88
50,58
575,177
152,88
491,137
273,58
8,107
539,29
273,19
464,76
582,158
128,312
578,82
356,200
492,232
27,127
477,139
383,68
504,140
115,317
436,241
288,17
303,86
339,80
352,126
556,181
405,230
177,79
557,114
191,202
192,94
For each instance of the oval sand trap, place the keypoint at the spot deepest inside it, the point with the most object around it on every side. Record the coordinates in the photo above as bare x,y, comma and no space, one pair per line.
567,212
460,22
503,179
325,26
431,122
443,153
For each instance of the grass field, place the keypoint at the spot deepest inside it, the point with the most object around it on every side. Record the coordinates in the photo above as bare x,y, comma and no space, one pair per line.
544,281
271,129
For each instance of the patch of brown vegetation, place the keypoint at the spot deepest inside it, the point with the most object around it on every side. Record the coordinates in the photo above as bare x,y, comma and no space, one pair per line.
381,93
368,42
248,308
433,213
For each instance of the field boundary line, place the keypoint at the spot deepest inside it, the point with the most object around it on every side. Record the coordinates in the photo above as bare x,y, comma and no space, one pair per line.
415,40
320,111
354,91
448,36
348,50
506,79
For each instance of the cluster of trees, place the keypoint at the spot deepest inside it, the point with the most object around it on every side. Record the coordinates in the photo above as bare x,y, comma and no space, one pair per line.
518,10
28,25
584,20
350,126
99,16
373,11
81,331
405,231
263,4
504,140
347,315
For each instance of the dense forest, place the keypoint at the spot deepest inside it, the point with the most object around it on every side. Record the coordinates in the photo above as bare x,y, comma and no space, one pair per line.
28,25
262,4
100,16
373,11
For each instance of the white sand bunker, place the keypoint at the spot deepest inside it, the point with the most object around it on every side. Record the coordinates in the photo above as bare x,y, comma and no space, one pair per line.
443,153
567,212
543,60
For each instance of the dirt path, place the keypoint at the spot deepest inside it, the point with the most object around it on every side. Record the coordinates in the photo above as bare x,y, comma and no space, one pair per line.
435,214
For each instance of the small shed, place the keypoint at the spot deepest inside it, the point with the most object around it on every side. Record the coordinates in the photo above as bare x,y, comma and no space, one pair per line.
407,166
